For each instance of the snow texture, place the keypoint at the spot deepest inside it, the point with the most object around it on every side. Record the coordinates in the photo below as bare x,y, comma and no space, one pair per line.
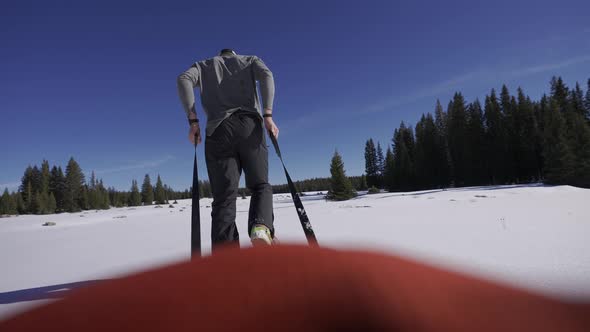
532,236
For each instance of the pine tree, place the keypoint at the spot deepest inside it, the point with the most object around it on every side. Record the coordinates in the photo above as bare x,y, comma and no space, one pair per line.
57,186
576,100
495,139
104,201
539,114
457,133
207,189
21,207
428,153
113,196
388,176
587,102
38,204
45,176
371,163
3,203
423,176
380,165
134,196
94,199
12,204
579,144
43,193
510,124
442,157
576,131
363,185
32,205
160,193
76,196
476,156
537,140
340,186
403,163
36,181
410,141
527,142
201,193
124,198
559,160
116,198
26,188
559,93
401,167
147,191
7,204
43,203
171,195
515,145
30,186
52,204
83,198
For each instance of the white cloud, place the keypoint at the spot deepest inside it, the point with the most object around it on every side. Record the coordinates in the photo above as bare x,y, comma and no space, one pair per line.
549,66
458,82
432,91
139,165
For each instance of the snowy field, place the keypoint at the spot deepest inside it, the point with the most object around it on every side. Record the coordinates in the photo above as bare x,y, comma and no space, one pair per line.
533,236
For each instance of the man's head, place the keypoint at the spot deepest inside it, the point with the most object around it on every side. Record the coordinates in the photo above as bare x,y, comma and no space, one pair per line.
227,51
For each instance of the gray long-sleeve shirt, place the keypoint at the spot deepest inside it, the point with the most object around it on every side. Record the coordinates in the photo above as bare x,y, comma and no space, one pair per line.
227,84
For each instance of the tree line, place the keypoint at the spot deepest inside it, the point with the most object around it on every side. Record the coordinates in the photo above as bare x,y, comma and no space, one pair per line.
47,190
510,139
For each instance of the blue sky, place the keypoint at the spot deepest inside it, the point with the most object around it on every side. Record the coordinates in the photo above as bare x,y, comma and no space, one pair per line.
96,79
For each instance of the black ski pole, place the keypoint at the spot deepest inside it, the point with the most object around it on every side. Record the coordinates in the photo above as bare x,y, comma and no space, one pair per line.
305,223
196,213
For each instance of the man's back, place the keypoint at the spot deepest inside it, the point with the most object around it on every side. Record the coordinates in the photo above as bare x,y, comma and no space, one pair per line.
235,139
227,84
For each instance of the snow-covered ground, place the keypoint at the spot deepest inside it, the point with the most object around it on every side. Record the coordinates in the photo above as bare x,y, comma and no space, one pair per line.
533,236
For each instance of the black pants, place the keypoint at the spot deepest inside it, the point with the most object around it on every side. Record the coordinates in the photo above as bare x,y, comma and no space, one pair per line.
238,143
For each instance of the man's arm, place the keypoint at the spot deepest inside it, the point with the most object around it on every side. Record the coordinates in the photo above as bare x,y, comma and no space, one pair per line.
267,84
267,90
186,83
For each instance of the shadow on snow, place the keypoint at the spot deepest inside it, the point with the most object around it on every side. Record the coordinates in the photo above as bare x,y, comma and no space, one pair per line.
476,188
42,293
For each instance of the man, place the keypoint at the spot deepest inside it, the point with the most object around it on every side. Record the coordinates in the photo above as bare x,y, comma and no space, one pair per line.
234,138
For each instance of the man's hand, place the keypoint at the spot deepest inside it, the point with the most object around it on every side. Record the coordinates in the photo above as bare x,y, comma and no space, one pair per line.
271,127
195,131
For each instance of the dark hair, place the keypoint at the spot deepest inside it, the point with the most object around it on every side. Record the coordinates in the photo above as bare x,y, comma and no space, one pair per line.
226,51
